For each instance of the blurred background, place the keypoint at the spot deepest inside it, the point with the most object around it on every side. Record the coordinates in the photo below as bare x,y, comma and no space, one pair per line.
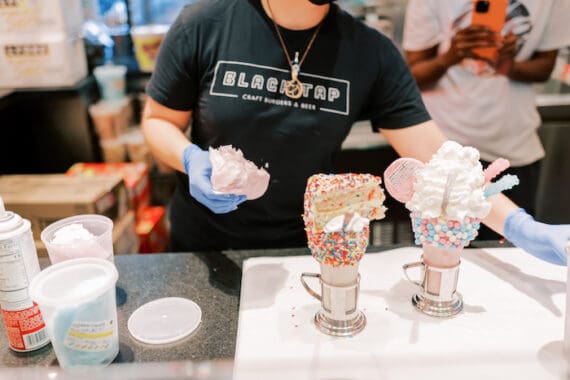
100,54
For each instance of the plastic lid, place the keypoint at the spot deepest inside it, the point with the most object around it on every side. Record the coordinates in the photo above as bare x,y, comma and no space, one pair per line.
164,320
73,282
150,29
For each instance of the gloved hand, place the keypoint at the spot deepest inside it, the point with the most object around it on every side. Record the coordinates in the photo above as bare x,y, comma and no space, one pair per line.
544,241
199,169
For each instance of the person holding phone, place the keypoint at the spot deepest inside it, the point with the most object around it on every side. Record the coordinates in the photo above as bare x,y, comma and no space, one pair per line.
485,99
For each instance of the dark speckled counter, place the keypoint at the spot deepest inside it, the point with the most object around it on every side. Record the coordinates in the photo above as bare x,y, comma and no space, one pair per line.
211,280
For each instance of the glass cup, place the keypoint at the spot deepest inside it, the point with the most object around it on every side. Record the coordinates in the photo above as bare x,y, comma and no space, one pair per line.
438,281
147,40
77,300
88,235
111,80
339,314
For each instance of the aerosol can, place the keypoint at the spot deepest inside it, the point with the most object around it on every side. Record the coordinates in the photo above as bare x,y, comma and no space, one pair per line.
19,263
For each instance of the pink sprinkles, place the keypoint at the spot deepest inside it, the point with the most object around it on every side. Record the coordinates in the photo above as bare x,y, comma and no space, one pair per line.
444,233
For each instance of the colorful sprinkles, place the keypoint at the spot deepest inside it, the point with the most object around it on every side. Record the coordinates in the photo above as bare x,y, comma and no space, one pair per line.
339,248
342,247
444,233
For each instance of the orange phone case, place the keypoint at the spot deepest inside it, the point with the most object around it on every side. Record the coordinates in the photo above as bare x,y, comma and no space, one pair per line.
494,18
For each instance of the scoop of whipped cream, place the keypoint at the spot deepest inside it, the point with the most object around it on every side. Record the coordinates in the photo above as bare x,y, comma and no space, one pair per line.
356,223
70,233
232,173
451,185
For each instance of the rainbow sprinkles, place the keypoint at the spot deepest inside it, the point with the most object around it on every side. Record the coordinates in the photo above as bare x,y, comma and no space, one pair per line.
337,211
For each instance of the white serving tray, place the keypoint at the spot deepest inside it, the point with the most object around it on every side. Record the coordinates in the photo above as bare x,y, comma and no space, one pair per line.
512,325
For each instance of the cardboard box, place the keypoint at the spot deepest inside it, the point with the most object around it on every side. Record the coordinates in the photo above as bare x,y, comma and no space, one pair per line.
125,238
46,198
135,175
41,61
40,16
152,230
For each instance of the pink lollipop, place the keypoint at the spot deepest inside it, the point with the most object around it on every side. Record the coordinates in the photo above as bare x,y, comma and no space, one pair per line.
399,178
495,168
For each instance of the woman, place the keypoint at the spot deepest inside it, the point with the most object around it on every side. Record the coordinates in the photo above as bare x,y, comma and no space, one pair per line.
282,80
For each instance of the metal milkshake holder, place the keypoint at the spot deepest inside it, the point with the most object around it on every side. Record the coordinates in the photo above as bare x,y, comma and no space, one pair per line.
438,289
339,314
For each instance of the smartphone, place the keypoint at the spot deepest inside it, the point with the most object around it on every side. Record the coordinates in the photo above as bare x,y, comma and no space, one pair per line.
490,13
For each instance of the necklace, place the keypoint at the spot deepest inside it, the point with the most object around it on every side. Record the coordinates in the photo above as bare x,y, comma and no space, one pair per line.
293,87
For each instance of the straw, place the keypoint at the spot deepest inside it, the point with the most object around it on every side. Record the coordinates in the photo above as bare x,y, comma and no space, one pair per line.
495,168
447,191
506,182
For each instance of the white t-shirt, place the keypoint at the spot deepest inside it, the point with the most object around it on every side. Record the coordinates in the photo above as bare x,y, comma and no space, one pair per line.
496,115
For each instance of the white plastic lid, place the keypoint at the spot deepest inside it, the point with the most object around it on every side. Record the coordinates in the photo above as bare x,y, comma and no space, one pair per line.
149,30
73,282
164,320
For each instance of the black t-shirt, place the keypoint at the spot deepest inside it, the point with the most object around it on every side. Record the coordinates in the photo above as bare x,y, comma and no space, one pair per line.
222,60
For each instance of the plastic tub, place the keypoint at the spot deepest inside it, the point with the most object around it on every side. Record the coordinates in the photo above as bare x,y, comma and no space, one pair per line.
111,80
77,300
88,235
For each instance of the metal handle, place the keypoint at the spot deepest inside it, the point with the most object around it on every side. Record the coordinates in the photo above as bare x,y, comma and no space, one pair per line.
307,287
413,265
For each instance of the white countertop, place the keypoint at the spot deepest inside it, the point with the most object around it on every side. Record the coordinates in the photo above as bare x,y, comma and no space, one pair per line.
512,325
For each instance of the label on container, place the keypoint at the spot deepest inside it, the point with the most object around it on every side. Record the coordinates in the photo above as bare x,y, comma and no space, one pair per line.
24,324
26,329
18,265
90,336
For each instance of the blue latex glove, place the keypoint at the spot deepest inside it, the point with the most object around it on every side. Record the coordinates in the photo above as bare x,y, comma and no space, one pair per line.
544,241
199,169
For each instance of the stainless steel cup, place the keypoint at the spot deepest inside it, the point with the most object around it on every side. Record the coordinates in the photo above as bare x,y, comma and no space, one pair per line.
438,289
339,314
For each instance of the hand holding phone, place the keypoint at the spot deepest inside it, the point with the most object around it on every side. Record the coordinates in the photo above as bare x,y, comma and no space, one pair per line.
490,14
468,39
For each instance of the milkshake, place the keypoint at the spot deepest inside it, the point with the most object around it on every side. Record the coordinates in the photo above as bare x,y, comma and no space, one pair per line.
447,197
337,214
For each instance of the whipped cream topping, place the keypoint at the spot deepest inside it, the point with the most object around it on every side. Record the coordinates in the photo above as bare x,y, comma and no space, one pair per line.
356,223
70,233
451,185
232,173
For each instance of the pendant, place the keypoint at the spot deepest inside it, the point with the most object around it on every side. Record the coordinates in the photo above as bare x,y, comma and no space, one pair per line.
294,87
